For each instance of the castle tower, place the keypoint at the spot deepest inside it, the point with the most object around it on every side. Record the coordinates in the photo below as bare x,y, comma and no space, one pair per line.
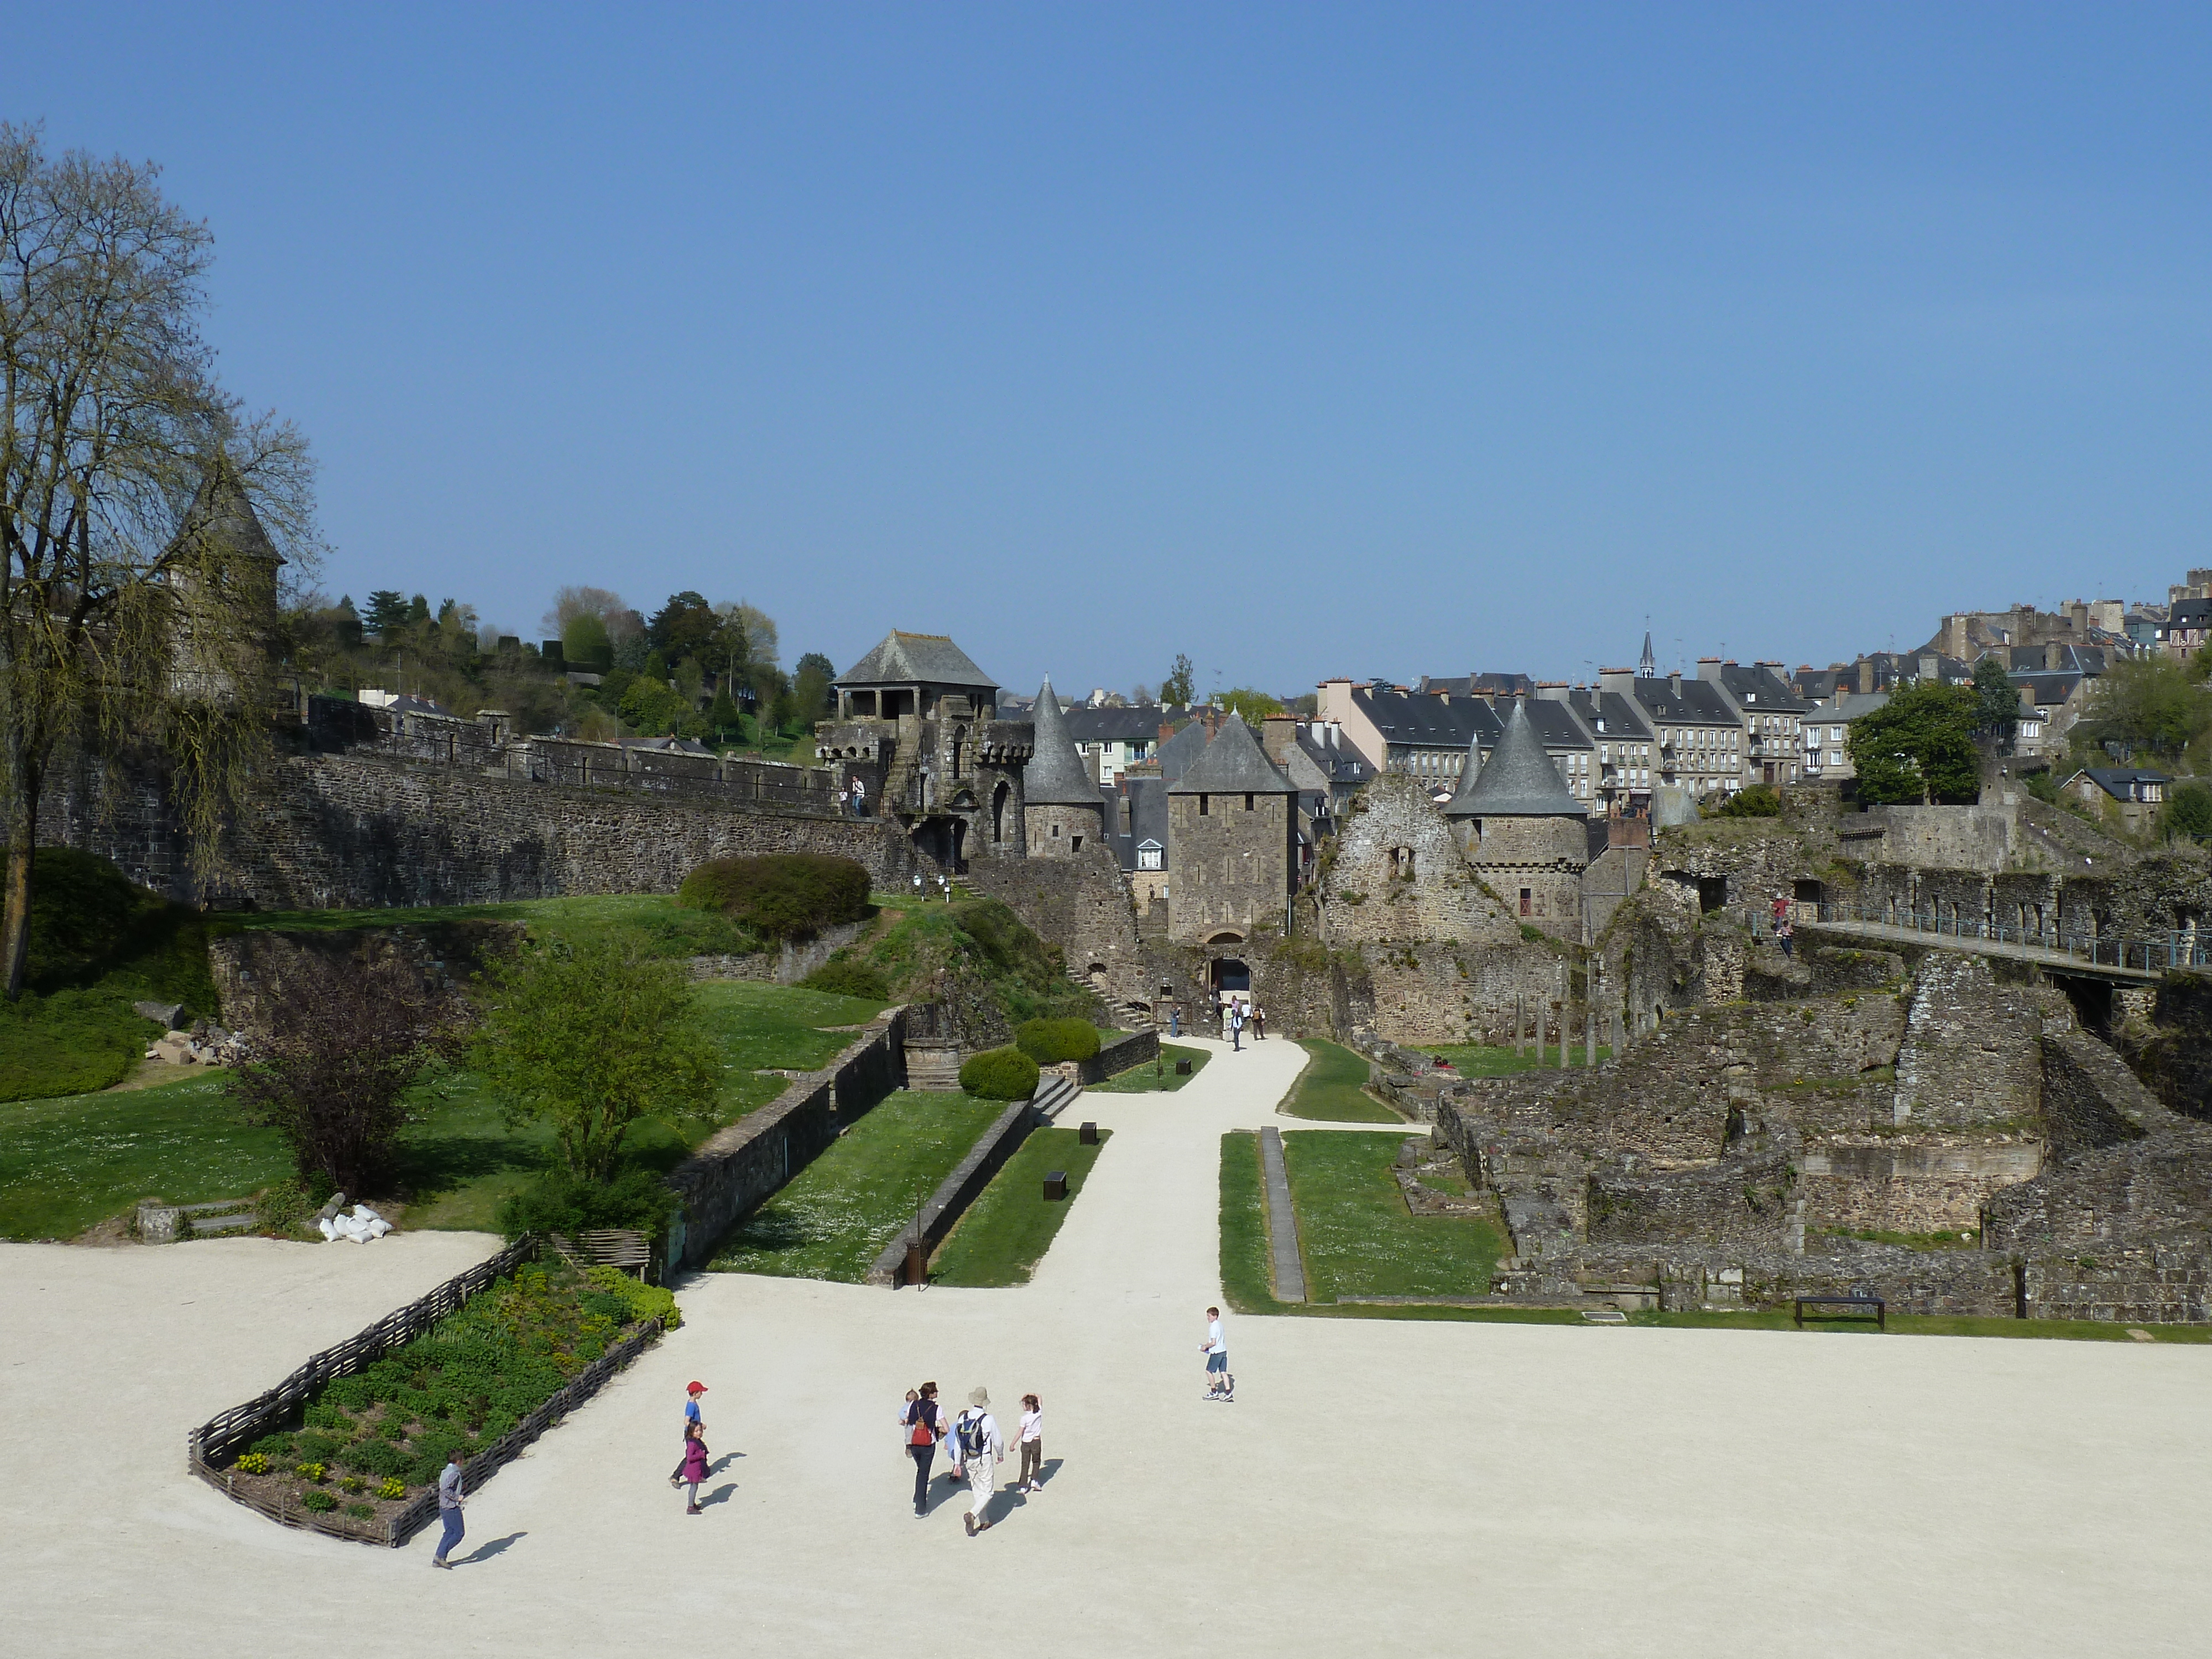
1232,829
1062,810
1524,833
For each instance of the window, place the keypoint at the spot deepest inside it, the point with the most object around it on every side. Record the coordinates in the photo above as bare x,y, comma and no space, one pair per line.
1055,832
1248,803
1527,900
1201,806
1148,856
1075,843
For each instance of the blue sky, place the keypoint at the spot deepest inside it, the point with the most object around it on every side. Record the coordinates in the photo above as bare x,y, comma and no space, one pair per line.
1303,340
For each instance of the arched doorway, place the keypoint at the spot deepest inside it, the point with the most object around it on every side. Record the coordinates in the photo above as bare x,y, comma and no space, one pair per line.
999,812
1229,975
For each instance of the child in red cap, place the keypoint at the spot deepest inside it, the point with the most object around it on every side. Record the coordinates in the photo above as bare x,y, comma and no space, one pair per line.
692,1420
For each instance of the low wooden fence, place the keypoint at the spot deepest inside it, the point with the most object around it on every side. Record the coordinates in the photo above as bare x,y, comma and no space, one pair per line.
219,1439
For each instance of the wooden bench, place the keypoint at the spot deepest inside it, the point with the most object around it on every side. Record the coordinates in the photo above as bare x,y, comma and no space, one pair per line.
609,1247
1880,1309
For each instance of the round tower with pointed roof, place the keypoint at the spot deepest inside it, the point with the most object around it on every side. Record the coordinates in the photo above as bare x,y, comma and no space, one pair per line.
1062,809
1524,833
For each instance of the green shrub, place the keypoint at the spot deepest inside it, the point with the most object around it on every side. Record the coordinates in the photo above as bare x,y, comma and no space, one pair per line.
1760,800
1050,1041
360,1511
644,1302
352,1483
320,1502
317,1473
315,1448
842,976
780,896
377,1457
1000,1074
392,1490
327,1413
559,1201
276,1448
254,1463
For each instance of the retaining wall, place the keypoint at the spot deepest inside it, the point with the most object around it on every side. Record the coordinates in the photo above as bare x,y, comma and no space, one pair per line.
959,1189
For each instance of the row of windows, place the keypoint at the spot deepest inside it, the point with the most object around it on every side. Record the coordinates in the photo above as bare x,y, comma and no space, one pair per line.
1206,804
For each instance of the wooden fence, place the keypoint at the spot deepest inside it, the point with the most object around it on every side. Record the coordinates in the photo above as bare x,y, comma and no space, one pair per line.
221,1436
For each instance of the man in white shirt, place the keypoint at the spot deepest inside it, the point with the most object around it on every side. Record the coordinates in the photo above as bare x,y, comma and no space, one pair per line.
978,1448
1219,1385
450,1500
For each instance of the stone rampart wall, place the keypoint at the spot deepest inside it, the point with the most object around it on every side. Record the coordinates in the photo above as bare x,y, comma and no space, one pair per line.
740,1167
1079,905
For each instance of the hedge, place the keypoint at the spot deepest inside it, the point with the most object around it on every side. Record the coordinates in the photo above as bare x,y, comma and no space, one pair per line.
1050,1041
780,896
1000,1074
842,976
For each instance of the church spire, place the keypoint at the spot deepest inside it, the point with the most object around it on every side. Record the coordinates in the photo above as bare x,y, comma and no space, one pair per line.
1647,667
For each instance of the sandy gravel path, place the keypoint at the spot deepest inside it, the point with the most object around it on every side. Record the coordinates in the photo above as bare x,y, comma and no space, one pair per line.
1378,1486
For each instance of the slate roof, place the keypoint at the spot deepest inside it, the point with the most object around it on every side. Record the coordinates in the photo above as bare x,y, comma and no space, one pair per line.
1479,685
2049,688
2190,613
1422,720
231,524
1697,703
1759,687
2115,780
1621,718
1140,723
1148,819
1180,751
1056,774
1555,723
1233,764
917,659
1520,782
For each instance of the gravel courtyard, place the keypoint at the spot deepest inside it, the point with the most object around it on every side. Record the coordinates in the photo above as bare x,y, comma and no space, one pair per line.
1444,1487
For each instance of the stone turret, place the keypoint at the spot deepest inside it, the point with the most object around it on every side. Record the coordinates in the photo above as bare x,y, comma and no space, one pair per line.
1522,832
1062,810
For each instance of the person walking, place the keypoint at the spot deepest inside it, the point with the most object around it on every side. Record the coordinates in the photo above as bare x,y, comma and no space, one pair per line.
1219,1385
978,1450
692,1420
450,1498
925,1426
1787,933
1237,1028
1031,1439
1175,1022
693,1469
1259,1023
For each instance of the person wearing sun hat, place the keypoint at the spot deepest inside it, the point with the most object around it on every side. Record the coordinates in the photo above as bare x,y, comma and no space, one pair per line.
978,1450
690,1417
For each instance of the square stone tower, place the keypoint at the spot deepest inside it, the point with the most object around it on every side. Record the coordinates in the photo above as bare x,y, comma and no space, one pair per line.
1231,842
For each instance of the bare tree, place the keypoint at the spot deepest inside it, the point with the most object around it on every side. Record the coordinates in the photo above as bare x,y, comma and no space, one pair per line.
143,516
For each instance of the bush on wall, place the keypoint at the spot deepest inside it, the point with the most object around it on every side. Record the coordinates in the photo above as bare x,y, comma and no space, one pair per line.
1050,1041
780,896
1000,1074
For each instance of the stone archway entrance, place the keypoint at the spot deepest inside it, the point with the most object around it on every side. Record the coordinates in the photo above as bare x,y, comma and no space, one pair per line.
1229,977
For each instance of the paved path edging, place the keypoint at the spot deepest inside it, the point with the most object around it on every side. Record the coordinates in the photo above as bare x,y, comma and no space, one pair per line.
1282,1219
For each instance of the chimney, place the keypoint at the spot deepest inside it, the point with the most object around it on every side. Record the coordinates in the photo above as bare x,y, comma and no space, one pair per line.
1674,682
1277,733
2027,700
1930,663
2054,655
1709,669
1621,681
1551,690
1866,677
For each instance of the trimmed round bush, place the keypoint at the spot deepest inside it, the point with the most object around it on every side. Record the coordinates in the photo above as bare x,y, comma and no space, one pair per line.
1049,1042
780,896
1000,1074
844,977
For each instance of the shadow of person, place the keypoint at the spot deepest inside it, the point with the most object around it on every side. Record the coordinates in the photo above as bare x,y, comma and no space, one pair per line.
1004,1502
1047,1469
723,1462
721,1494
485,1551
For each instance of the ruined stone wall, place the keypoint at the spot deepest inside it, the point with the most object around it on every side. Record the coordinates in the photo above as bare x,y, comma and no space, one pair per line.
1971,1055
1395,875
1934,1183
1744,1200
1078,904
255,971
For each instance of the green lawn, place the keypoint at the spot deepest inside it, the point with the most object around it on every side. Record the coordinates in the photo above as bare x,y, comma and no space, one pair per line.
1247,1278
1144,1080
68,1164
1332,1088
1478,1060
1357,1236
834,1217
1007,1230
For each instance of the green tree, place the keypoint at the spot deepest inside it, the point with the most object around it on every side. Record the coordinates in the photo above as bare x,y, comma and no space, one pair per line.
1758,800
2187,814
684,626
589,1041
1178,688
653,708
1997,702
2145,702
142,516
387,611
1252,707
811,687
1918,747
418,610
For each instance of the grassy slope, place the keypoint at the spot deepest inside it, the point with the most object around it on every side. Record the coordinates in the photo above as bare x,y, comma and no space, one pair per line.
1247,1281
654,922
68,1164
1359,1239
1007,1230
837,1213
1332,1088
1142,1079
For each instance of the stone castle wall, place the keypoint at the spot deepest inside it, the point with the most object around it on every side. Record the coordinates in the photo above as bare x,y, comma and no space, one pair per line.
1396,876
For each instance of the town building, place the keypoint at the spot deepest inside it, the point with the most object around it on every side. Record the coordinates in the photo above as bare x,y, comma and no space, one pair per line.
2129,794
1417,734
1624,744
1232,837
1114,737
1697,737
1772,716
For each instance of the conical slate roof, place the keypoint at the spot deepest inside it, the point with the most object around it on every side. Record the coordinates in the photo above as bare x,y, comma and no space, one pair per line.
1520,781
1233,764
1457,807
228,521
1056,776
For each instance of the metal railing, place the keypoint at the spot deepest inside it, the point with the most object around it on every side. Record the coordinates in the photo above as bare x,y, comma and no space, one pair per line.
2179,949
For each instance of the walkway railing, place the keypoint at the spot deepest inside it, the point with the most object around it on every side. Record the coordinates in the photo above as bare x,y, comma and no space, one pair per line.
2148,955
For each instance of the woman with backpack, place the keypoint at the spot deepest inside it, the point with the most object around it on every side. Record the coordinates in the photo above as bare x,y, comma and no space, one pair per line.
978,1450
924,1426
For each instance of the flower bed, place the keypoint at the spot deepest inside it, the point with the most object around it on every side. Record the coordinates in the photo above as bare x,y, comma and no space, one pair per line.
360,1455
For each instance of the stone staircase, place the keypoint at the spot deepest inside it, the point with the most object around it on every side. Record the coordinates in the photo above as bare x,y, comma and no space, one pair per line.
1054,1095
